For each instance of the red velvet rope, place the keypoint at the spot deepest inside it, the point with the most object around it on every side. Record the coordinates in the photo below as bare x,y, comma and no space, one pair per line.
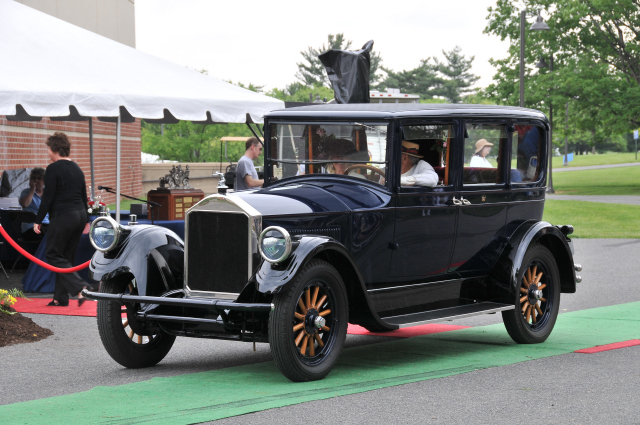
38,261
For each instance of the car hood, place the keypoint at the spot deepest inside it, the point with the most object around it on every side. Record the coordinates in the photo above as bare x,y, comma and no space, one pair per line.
316,197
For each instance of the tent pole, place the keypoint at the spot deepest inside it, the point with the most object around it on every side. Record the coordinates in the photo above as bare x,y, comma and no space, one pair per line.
118,149
93,173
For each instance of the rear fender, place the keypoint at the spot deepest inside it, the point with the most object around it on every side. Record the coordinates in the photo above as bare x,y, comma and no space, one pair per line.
145,248
504,276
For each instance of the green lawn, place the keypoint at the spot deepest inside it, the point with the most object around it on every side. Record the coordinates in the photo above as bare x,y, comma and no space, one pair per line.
595,220
125,204
598,159
606,181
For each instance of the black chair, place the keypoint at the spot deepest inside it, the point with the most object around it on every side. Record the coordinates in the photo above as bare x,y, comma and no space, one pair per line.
17,218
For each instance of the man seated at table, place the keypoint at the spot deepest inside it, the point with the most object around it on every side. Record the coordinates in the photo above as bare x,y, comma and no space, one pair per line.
30,201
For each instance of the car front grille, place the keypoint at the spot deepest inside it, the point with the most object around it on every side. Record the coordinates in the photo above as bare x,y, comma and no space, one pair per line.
218,251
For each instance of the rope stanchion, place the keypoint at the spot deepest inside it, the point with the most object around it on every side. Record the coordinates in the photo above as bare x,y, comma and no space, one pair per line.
37,260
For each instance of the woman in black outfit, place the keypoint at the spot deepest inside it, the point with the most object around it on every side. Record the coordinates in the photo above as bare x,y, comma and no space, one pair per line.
65,199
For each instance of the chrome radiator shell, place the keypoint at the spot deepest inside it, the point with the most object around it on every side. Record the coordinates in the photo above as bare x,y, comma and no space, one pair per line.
221,246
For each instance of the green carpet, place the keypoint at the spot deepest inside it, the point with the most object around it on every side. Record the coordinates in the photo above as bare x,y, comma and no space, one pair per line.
228,392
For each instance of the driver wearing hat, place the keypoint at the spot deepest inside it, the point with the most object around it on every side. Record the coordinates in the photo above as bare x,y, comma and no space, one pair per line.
415,172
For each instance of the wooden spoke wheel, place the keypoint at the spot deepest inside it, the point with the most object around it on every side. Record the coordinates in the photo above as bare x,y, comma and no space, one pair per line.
126,340
308,327
538,298
133,336
311,316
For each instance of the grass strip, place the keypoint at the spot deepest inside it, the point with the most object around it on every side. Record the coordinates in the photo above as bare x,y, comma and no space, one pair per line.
605,181
239,390
595,220
599,159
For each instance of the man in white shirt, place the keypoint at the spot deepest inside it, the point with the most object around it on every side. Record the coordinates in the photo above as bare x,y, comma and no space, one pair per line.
415,172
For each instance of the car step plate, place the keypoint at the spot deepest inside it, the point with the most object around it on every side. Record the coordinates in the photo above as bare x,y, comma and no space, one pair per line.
446,314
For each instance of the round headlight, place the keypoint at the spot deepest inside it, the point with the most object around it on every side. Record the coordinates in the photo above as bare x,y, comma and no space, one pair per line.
104,234
275,244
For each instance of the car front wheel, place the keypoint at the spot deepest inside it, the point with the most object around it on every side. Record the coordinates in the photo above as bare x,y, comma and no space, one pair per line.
537,298
308,327
121,341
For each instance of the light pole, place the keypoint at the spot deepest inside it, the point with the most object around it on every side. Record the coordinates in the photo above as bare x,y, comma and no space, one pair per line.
538,25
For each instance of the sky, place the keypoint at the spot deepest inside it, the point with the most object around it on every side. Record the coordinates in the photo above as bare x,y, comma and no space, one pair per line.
259,42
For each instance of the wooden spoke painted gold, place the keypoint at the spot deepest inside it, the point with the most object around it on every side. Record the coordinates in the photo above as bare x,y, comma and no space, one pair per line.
308,338
134,337
322,300
531,281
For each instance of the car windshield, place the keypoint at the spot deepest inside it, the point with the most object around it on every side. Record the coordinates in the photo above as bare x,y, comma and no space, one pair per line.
354,150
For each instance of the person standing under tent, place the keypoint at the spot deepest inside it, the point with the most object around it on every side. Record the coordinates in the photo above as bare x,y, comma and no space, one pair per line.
65,200
246,174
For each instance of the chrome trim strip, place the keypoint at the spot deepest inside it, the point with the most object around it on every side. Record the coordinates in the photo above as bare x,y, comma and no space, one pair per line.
455,316
228,203
392,288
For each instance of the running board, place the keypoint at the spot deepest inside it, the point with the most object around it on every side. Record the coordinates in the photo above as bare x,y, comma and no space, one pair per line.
446,314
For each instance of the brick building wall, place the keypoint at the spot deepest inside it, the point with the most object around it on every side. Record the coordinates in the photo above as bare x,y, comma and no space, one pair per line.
22,145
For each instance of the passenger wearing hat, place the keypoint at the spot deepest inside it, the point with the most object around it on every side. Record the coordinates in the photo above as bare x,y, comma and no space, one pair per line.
415,172
479,159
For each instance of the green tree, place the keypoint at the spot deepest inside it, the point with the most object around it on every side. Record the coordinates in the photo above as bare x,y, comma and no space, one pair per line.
423,80
190,142
450,79
456,78
298,92
311,72
596,63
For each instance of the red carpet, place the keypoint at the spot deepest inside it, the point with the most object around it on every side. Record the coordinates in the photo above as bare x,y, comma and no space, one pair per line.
431,328
39,306
89,308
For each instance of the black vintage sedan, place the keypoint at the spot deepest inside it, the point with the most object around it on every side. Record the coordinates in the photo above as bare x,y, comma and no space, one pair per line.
381,215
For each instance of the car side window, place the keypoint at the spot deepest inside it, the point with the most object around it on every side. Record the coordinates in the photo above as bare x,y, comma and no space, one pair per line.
526,153
355,151
484,145
426,146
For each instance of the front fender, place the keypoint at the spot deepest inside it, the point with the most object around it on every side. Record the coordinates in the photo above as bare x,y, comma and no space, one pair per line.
505,273
271,278
132,256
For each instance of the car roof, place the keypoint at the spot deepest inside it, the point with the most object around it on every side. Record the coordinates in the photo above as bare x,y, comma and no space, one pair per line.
402,110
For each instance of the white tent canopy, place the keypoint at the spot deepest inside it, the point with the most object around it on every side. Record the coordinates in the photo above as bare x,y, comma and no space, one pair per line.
51,68
49,65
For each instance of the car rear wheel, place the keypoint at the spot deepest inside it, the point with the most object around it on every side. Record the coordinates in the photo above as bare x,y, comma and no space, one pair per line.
308,326
124,345
537,298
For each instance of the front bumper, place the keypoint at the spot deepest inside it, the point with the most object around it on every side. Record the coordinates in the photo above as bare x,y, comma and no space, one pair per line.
214,305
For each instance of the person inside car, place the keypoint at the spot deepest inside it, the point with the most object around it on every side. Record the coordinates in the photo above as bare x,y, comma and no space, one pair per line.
479,159
415,171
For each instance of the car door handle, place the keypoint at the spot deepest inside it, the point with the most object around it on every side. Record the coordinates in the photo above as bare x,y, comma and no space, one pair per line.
465,201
